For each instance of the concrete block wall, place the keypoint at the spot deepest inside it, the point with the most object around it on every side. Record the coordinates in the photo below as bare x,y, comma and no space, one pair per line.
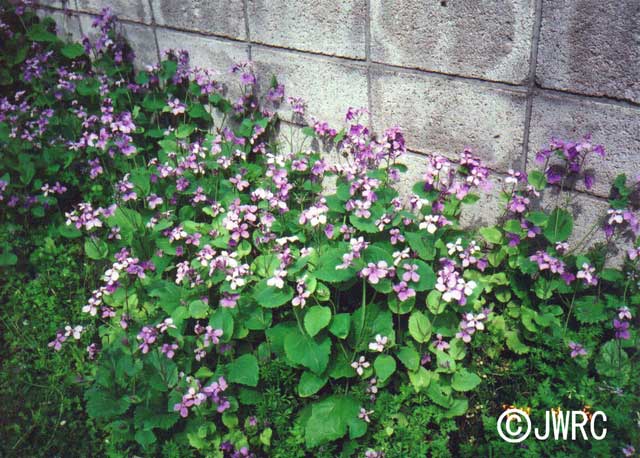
500,76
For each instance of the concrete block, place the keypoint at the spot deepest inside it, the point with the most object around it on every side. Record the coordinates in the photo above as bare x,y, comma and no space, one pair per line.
441,115
62,4
322,26
216,17
484,39
570,118
142,41
329,87
67,24
133,10
591,47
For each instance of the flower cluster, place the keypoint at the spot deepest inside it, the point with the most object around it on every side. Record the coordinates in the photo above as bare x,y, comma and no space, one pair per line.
451,283
197,395
470,324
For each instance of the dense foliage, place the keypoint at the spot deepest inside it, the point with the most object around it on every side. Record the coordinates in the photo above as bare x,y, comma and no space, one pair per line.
210,288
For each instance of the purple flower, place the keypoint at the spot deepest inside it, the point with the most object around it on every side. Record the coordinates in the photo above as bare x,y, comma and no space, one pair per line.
148,336
169,350
212,336
514,239
589,180
92,351
229,300
276,94
58,341
518,204
587,274
439,343
471,323
577,350
364,414
375,272
410,273
403,291
628,450
396,236
622,329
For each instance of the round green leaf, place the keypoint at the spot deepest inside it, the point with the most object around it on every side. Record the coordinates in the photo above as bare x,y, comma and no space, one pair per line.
310,384
385,366
244,370
270,296
419,327
464,380
316,319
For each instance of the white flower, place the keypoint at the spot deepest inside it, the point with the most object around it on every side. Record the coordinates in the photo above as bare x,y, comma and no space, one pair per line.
76,331
453,247
360,365
429,223
278,279
379,343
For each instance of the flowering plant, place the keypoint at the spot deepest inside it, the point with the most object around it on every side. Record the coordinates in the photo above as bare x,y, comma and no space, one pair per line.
225,253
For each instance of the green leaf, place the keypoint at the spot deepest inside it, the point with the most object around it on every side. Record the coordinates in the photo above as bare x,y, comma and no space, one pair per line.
401,307
145,437
589,310
127,220
385,366
419,327
244,370
38,32
439,395
559,226
491,234
270,296
316,319
409,357
514,343
72,50
309,132
612,361
304,350
184,130
198,309
103,404
612,275
310,384
537,179
464,380
265,436
153,102
88,87
421,245
537,218
222,318
434,302
420,379
326,270
340,325
96,248
329,419
169,68
458,407
357,428
7,258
